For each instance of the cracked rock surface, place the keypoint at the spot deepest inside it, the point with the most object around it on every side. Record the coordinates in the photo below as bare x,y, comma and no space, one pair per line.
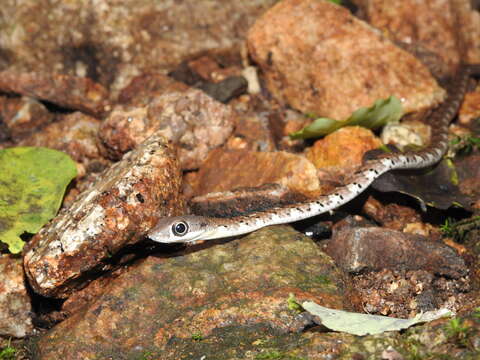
115,211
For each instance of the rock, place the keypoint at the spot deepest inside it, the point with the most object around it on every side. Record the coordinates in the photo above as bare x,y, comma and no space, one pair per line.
227,170
434,25
407,135
66,91
470,109
366,249
391,215
143,88
74,134
404,294
117,210
342,149
252,132
23,115
164,306
318,58
117,41
191,119
16,314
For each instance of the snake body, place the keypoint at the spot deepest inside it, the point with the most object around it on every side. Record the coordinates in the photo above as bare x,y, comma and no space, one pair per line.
189,228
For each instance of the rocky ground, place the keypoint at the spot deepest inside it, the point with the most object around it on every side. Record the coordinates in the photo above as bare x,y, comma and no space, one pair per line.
179,107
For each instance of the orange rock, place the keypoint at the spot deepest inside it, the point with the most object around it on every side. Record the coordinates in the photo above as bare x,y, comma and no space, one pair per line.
317,57
227,170
470,107
342,148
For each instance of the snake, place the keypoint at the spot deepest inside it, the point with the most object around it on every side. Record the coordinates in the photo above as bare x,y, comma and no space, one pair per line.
191,228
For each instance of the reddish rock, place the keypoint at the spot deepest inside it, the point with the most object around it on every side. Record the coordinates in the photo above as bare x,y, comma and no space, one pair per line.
16,313
318,58
227,170
162,306
371,249
191,119
343,148
66,91
144,88
23,115
434,25
117,210
74,134
470,107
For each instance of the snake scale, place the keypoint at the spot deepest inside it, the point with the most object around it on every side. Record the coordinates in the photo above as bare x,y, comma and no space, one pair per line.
190,228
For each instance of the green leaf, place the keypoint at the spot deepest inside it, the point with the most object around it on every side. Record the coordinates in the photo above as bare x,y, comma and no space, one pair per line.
32,184
364,324
338,2
383,111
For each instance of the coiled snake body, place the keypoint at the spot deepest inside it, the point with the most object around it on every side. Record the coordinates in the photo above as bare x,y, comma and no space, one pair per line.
189,228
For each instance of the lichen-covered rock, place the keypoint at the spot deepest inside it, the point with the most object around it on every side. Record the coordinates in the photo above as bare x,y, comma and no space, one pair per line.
16,310
191,119
163,306
115,211
318,58
66,91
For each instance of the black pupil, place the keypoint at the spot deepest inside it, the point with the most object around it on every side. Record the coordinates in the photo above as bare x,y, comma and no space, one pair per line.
180,229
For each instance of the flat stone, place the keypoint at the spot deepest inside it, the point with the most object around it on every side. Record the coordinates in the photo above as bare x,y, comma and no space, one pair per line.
191,119
117,210
229,169
16,314
319,58
363,249
71,92
161,305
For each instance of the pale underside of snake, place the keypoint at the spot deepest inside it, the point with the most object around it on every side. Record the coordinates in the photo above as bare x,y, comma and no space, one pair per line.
188,228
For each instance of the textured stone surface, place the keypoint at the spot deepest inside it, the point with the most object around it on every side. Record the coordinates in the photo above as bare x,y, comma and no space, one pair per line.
229,169
66,91
16,310
115,211
318,58
435,25
163,304
191,119
364,249
112,41
22,115
74,134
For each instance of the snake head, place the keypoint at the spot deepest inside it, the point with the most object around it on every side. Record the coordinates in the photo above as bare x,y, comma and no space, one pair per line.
179,229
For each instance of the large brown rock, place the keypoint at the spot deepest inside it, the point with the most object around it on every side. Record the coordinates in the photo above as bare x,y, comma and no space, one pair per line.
363,249
115,211
318,58
193,305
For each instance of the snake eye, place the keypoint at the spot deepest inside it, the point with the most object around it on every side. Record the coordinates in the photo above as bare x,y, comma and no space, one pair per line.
180,228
